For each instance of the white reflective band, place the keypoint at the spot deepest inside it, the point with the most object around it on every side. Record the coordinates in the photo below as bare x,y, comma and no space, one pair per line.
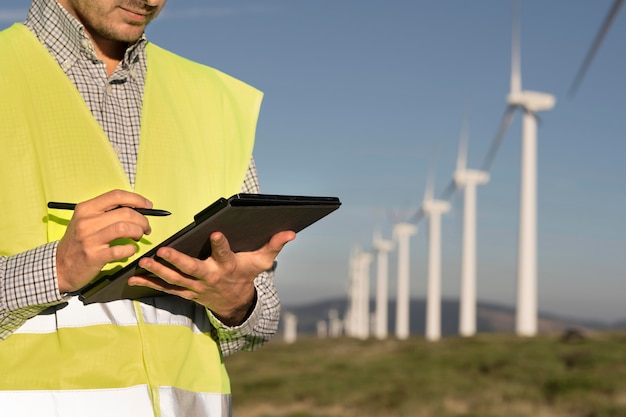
166,310
120,402
173,311
177,403
75,314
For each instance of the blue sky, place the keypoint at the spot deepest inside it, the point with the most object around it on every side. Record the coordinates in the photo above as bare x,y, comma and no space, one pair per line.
363,98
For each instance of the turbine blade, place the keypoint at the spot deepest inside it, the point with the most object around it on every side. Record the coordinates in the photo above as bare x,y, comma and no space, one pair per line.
377,235
449,191
461,160
428,191
392,216
497,140
430,178
608,21
419,215
516,60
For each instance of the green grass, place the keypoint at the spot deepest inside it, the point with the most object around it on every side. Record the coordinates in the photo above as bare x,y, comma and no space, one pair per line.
488,375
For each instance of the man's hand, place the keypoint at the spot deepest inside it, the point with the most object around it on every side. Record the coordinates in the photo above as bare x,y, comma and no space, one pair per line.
85,248
224,282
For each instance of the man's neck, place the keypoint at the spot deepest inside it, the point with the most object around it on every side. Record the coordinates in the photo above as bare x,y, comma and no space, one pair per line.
111,52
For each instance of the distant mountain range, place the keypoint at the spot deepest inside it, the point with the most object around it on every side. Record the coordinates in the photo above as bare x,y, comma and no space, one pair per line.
490,318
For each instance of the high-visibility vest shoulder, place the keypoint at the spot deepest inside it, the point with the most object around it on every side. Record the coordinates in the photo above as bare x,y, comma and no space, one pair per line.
153,357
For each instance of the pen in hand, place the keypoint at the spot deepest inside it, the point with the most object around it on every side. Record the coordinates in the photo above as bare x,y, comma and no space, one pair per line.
144,211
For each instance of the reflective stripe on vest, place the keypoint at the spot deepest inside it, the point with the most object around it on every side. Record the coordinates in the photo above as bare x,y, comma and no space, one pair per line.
158,354
132,401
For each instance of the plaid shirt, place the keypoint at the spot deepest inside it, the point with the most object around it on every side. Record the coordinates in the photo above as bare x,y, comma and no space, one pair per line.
28,281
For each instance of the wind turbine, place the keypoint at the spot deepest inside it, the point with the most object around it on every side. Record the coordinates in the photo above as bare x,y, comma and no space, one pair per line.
334,328
529,103
352,317
433,209
402,232
364,261
467,180
358,317
322,329
382,248
290,327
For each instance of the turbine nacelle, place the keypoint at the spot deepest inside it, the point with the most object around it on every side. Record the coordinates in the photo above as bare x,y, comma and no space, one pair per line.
532,101
404,229
435,206
382,245
470,176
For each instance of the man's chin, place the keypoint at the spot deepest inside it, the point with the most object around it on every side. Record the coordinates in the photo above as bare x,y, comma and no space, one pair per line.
130,33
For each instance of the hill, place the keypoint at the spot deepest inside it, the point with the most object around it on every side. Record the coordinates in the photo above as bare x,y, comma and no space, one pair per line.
491,318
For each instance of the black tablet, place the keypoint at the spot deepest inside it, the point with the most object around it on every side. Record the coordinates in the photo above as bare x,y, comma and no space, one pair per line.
247,220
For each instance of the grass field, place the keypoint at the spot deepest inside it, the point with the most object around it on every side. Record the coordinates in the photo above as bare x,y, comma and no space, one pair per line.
485,376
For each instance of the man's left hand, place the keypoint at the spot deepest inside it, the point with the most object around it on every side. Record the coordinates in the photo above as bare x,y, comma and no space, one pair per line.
224,282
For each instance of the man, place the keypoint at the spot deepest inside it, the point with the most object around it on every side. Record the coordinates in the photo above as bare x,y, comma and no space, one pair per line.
93,113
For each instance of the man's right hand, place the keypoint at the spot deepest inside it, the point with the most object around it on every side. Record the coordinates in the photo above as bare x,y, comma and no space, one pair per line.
85,248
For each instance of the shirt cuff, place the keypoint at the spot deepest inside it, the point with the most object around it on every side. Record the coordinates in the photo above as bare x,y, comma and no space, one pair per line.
227,333
31,279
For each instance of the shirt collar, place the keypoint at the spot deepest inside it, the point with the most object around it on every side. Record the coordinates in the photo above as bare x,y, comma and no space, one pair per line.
65,38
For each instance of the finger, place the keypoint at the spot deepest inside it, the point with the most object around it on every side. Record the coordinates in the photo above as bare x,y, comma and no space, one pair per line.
97,233
159,284
118,252
96,255
278,241
123,230
188,266
129,216
114,199
175,274
220,249
264,258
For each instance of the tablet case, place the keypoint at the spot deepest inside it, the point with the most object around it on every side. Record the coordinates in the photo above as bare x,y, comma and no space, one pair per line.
247,220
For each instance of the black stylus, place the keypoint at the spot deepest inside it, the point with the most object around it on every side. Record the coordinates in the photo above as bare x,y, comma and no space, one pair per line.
144,211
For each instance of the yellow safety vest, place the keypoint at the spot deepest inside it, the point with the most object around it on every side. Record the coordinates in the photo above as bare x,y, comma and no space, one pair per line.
157,356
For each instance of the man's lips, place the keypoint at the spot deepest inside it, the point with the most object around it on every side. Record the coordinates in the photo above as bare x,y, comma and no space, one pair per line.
137,15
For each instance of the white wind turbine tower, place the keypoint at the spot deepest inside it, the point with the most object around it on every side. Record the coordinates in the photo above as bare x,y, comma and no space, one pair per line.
364,261
351,318
467,180
382,248
402,232
433,209
358,313
290,327
529,102
334,323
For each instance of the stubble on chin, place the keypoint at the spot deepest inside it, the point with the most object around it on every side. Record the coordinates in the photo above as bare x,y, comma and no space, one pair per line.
124,30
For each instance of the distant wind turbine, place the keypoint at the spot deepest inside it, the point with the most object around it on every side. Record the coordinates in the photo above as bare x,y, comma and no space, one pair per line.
382,248
468,180
352,316
359,309
334,327
529,103
433,209
290,327
322,328
402,232
365,260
